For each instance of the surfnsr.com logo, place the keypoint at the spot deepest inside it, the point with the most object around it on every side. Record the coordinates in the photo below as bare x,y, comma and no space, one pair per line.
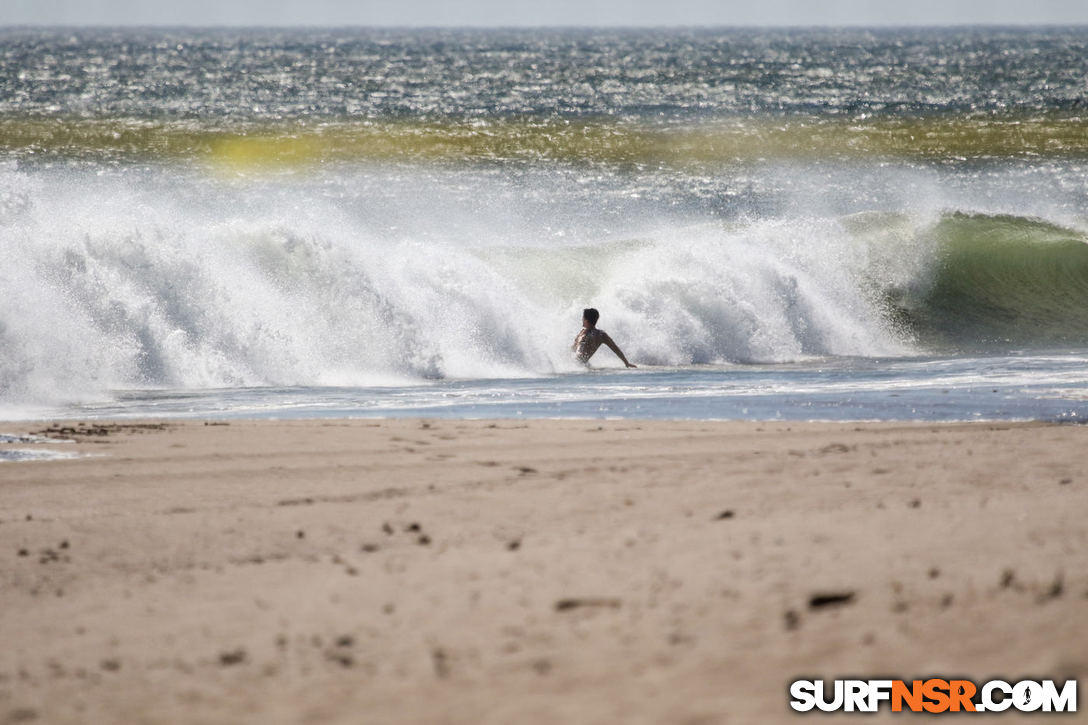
933,696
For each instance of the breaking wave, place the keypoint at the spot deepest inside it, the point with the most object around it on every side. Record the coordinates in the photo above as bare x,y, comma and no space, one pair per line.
998,281
183,282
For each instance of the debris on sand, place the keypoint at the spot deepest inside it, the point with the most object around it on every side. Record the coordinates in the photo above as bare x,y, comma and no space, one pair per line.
233,657
564,605
830,599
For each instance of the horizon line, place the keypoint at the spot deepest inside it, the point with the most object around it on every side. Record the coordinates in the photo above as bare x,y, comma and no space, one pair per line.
556,26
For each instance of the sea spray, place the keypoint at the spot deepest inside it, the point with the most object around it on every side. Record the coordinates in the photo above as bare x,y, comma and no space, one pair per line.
166,277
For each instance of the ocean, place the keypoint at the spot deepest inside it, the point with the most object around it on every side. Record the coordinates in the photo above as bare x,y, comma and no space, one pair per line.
791,224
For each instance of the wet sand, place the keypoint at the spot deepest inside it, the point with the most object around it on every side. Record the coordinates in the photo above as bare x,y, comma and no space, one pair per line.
551,571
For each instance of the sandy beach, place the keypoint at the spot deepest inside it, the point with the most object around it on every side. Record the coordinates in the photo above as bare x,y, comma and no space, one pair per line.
552,571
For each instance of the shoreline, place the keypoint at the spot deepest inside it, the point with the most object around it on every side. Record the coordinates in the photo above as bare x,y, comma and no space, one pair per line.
438,570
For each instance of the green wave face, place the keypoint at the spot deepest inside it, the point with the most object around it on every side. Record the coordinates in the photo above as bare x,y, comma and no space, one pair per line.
998,281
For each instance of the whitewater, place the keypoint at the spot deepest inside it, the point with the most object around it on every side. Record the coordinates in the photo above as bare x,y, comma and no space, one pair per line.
166,253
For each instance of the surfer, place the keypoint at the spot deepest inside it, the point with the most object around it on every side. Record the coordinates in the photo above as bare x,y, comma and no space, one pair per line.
589,338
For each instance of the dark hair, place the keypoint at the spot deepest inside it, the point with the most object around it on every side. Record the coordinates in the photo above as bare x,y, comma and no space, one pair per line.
591,314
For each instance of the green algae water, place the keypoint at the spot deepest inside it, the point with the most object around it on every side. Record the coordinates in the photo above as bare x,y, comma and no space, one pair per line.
808,224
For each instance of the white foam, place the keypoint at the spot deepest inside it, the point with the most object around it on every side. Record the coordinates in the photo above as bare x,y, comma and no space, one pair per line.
34,454
164,278
27,438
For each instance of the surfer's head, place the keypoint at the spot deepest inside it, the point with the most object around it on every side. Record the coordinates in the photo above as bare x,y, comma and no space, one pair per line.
590,315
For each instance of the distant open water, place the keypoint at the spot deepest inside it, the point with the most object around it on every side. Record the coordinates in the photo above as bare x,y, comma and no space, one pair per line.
794,224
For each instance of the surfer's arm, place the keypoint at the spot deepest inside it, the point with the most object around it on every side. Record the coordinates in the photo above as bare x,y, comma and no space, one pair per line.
619,353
